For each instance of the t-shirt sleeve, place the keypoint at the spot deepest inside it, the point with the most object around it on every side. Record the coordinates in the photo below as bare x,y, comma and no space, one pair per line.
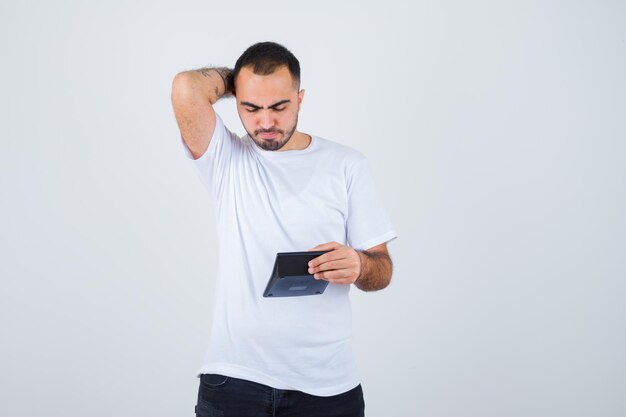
213,166
367,223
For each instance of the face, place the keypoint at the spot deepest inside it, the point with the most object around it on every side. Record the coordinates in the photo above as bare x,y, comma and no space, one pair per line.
268,106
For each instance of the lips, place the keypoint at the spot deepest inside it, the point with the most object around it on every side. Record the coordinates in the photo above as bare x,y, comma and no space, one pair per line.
269,134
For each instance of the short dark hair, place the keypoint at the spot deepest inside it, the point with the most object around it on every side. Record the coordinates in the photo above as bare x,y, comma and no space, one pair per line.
267,57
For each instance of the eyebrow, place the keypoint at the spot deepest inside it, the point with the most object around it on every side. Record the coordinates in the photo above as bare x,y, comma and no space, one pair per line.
273,106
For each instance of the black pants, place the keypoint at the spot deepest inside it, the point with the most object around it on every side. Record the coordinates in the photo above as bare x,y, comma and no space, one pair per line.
222,396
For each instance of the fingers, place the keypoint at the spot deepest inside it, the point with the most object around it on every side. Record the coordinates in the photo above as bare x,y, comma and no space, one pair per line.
336,274
335,255
340,266
340,276
328,266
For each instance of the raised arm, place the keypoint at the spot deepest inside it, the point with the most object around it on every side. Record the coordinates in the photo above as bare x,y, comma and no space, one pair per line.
193,95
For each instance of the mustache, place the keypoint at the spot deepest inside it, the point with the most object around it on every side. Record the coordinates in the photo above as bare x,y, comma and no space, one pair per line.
256,132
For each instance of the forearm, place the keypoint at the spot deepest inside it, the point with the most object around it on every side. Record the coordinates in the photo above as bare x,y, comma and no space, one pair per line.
211,82
376,269
193,95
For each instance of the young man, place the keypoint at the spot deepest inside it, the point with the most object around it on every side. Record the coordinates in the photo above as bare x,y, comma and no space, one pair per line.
277,189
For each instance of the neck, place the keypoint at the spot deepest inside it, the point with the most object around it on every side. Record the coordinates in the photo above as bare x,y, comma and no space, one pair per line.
297,142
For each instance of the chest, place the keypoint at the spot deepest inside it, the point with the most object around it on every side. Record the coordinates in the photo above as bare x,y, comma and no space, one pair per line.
305,193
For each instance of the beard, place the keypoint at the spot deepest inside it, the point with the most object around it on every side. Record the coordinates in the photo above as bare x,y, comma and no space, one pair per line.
273,144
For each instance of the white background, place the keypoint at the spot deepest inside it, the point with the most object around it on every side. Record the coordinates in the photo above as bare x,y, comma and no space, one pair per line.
496,131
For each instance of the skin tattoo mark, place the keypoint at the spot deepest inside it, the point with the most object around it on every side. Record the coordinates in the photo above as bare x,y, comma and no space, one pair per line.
224,73
206,72
219,72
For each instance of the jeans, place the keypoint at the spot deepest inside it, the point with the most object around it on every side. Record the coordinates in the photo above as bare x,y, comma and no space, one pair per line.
223,396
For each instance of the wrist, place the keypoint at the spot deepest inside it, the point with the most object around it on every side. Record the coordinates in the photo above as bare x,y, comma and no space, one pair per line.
362,262
226,76
219,81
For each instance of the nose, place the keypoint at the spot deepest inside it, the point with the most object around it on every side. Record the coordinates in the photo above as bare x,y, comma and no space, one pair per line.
266,121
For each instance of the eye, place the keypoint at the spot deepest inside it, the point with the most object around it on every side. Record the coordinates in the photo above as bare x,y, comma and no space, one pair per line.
251,110
279,108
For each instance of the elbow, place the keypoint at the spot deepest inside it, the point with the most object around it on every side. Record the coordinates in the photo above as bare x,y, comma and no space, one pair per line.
377,274
182,83
188,85
383,283
374,285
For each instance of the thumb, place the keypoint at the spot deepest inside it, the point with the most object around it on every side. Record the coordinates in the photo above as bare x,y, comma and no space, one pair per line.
326,246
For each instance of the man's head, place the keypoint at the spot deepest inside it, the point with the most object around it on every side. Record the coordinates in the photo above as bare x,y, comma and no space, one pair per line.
264,58
267,81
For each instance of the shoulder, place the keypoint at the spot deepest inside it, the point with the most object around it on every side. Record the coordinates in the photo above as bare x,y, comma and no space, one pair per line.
223,129
227,138
347,155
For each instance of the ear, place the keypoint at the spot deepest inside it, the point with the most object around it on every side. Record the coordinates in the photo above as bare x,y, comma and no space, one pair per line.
300,97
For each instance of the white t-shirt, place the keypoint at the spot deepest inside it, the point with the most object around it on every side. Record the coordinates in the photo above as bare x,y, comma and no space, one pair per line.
285,201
